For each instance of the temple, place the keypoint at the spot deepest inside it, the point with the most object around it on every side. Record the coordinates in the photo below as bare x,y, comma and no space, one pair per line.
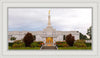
49,35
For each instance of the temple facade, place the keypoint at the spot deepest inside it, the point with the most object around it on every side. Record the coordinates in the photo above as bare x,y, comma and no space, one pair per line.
49,35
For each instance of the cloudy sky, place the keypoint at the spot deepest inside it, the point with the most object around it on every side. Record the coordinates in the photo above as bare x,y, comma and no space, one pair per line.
62,19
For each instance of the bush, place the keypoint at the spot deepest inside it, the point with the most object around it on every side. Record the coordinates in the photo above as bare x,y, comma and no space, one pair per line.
65,45
62,44
28,39
70,40
13,38
18,41
88,44
10,44
36,44
18,44
80,43
15,45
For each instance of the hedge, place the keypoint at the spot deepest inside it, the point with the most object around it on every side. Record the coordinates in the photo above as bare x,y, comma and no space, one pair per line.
36,44
10,44
88,44
62,44
80,43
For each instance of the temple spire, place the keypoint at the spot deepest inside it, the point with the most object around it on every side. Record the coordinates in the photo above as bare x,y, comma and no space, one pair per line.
49,23
49,28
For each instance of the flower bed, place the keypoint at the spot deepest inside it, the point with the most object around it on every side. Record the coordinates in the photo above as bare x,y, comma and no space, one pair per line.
37,44
61,44
80,43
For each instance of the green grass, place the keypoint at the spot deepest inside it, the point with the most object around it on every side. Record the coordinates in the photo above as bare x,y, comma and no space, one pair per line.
59,48
74,48
25,48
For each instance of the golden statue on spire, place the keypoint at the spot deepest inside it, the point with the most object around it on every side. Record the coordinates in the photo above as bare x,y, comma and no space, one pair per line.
49,12
49,23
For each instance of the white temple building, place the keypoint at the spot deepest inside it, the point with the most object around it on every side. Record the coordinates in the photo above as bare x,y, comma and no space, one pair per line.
48,35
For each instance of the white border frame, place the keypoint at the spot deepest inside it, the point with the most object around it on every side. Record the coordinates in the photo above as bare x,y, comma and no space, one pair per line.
49,52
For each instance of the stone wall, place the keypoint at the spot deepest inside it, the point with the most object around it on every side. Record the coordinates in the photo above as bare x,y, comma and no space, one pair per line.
41,35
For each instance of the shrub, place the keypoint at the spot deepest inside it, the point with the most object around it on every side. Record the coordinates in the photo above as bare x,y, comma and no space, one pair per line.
28,39
62,44
18,41
88,44
36,44
33,44
65,45
18,44
80,43
70,40
10,44
13,38
15,45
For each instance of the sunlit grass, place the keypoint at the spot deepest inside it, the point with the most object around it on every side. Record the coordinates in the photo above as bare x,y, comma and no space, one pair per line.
74,48
25,48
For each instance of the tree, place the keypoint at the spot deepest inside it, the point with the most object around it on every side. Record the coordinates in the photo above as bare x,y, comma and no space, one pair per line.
89,32
70,39
13,38
28,39
34,37
83,36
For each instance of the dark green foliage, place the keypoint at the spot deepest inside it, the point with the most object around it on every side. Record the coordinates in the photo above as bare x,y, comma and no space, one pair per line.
80,43
70,40
89,32
64,37
13,38
10,44
36,44
15,45
18,44
83,36
34,37
28,39
88,44
62,44
18,41
39,42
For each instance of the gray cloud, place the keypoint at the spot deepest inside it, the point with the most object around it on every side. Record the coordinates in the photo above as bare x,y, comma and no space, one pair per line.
62,19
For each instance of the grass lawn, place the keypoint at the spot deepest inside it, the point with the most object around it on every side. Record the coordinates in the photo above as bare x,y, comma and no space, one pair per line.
59,48
74,48
25,48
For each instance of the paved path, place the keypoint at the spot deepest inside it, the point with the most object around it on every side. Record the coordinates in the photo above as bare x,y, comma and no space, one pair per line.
49,48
